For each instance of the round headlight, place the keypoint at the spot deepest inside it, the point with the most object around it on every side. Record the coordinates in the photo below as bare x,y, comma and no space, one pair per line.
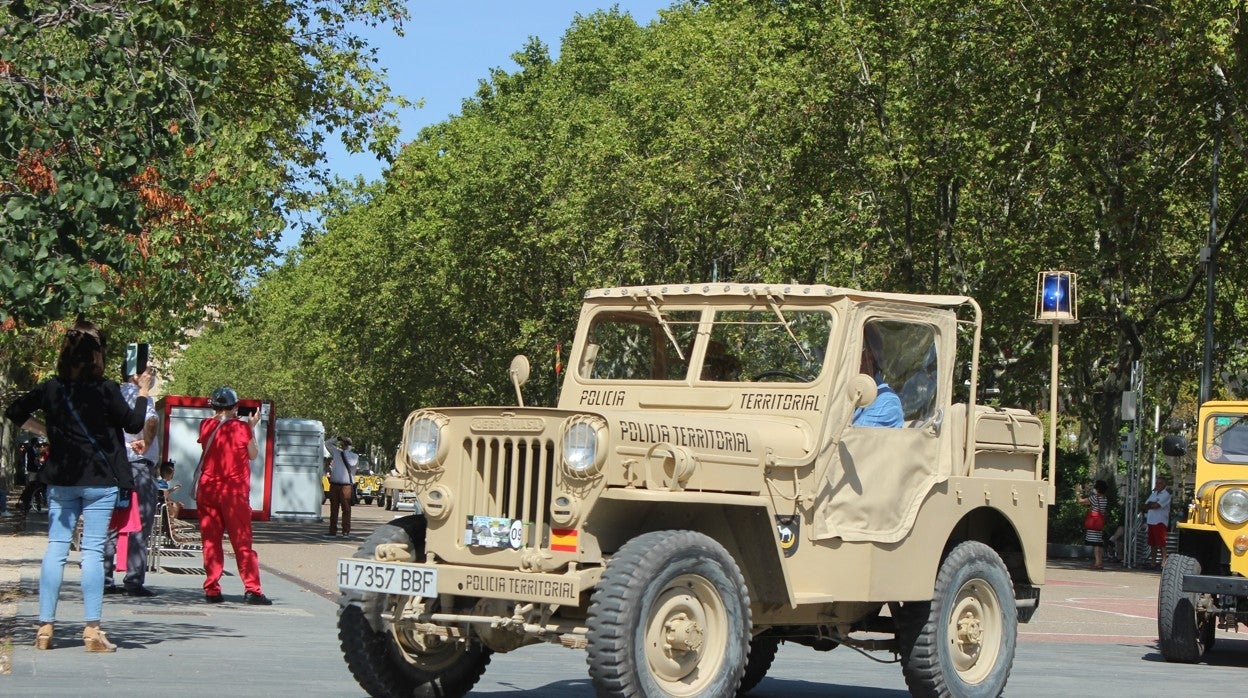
423,440
1233,506
582,450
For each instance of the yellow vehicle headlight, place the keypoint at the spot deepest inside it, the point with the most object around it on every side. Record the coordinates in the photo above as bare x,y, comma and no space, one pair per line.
1233,506
584,449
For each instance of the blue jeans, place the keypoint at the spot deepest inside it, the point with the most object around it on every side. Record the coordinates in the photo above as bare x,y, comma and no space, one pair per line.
65,505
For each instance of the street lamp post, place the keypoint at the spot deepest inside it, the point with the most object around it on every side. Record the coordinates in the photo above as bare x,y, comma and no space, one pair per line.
1056,304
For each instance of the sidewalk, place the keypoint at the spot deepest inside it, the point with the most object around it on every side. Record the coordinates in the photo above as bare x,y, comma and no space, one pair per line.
171,643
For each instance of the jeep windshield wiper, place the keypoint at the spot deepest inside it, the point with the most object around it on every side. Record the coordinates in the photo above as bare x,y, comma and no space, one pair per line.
667,329
775,307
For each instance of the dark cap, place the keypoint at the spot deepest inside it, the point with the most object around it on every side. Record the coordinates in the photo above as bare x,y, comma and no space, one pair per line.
223,398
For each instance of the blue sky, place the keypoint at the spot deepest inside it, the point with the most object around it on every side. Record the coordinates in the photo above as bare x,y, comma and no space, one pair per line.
449,45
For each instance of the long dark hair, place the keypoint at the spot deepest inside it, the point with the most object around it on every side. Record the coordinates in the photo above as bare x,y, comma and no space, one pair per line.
78,353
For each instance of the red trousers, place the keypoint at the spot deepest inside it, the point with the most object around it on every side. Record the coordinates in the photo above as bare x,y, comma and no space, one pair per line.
227,513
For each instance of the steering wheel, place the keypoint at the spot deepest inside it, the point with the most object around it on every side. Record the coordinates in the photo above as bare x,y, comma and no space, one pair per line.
778,373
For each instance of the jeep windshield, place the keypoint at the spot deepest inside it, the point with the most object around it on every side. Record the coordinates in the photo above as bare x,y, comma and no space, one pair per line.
1226,439
738,345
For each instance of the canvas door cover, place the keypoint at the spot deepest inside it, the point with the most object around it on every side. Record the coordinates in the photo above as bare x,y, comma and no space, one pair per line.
878,477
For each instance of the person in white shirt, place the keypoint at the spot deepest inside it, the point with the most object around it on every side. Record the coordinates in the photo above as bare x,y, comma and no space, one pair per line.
1157,515
139,448
340,465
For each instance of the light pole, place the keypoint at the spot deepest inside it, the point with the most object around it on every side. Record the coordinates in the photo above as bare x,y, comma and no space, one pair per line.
1056,304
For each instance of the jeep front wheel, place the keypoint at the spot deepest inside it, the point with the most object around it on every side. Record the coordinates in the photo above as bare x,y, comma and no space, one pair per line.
390,660
1184,632
961,643
670,617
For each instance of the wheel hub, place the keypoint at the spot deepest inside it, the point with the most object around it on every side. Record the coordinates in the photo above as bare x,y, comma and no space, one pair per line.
683,634
970,632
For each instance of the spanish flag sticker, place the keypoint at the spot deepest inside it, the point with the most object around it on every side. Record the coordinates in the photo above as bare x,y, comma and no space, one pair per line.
563,540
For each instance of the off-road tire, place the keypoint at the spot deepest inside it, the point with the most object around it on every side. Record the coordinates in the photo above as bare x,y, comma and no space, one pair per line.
369,646
762,653
1183,633
974,591
670,617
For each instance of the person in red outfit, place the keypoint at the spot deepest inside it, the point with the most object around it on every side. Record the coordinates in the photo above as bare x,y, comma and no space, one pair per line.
222,495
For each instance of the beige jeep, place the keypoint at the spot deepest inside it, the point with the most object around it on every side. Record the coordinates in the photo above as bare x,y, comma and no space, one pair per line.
729,467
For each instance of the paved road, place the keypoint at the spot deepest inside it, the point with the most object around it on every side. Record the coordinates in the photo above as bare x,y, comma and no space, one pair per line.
1094,633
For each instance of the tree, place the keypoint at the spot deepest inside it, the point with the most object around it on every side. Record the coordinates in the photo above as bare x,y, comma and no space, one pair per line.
935,146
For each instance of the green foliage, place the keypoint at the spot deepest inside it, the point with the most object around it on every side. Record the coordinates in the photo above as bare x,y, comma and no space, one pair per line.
932,146
148,152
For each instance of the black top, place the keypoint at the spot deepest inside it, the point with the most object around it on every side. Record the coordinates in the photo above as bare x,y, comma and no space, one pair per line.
72,459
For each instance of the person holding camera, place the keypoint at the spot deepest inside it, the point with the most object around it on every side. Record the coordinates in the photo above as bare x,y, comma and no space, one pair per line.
340,465
141,469
223,495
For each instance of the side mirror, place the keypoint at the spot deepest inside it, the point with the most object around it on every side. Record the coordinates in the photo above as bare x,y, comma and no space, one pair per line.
862,390
1174,445
519,373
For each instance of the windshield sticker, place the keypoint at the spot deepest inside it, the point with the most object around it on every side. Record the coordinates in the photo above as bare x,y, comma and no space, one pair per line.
602,398
692,437
785,402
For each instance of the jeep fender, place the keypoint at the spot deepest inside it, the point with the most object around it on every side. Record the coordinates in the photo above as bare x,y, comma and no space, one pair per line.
743,524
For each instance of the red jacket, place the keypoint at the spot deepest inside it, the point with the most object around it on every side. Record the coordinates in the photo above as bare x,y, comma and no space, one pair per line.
227,469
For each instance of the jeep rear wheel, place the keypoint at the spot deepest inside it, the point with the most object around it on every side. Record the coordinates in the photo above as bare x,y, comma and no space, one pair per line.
1184,632
961,643
670,617
388,659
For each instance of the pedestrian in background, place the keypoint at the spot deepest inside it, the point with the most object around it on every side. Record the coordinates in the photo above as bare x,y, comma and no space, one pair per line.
83,417
35,493
1097,501
223,496
141,469
1157,515
341,467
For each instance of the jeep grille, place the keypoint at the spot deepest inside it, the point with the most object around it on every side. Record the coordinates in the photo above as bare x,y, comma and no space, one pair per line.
514,477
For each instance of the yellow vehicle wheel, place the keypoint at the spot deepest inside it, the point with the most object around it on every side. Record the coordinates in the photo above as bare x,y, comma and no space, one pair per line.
1183,631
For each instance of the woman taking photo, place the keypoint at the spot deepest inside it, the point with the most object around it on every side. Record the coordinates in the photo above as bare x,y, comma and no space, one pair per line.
83,416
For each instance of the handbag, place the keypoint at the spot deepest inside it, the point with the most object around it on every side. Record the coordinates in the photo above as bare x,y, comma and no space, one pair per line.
1094,520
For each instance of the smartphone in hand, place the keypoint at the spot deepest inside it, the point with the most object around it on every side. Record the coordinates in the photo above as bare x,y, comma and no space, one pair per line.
246,411
136,358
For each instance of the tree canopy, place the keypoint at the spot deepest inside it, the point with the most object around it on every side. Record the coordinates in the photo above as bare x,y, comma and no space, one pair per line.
931,146
150,150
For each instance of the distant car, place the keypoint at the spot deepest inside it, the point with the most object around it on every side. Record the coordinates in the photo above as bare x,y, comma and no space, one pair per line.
368,487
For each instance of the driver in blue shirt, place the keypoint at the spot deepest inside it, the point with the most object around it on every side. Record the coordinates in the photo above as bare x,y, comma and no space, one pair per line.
886,410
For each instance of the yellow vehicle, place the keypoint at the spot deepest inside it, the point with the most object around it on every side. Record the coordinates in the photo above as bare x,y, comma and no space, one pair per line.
725,471
1204,585
368,486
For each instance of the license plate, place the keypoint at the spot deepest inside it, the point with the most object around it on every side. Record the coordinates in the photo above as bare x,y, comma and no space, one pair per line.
387,578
